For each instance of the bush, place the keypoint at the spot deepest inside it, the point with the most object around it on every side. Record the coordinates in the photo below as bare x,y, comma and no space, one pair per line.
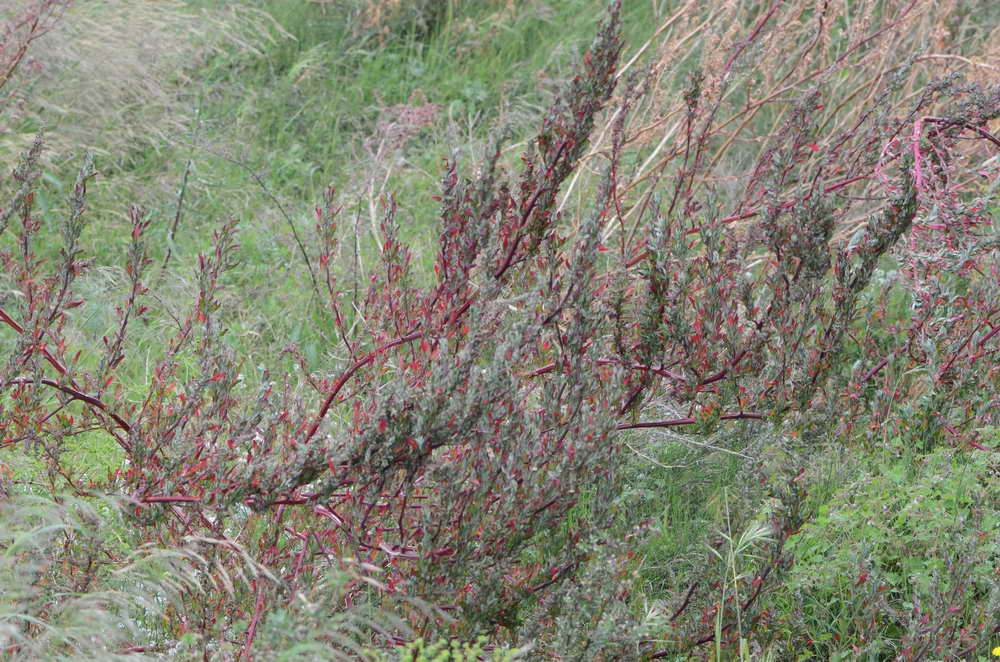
455,457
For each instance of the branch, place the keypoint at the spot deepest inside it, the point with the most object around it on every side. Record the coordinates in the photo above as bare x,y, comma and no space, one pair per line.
527,212
788,204
328,401
4,317
171,498
874,371
252,628
964,124
635,366
35,22
82,397
674,422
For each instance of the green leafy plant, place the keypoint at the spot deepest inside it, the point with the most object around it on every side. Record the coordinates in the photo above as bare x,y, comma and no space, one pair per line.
448,651
900,562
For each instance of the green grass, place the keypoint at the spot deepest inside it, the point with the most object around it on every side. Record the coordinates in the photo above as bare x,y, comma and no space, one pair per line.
266,130
913,525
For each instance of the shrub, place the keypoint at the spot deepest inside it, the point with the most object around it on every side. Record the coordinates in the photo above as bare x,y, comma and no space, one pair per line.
456,458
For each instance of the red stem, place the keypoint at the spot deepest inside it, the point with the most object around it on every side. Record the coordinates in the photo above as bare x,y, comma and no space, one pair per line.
750,214
874,371
978,129
172,498
988,336
967,340
527,212
252,628
78,395
73,390
45,353
357,365
636,366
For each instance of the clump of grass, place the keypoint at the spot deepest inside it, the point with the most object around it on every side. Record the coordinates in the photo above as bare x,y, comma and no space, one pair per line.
116,77
58,591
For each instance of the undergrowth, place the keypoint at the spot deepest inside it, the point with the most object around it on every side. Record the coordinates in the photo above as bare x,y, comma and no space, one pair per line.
680,345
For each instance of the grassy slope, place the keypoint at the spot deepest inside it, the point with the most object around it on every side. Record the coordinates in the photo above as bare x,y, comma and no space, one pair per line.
266,130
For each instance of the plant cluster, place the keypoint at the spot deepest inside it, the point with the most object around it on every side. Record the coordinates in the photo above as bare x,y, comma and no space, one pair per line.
755,259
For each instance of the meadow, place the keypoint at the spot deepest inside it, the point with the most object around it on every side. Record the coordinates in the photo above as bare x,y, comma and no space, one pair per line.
398,330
